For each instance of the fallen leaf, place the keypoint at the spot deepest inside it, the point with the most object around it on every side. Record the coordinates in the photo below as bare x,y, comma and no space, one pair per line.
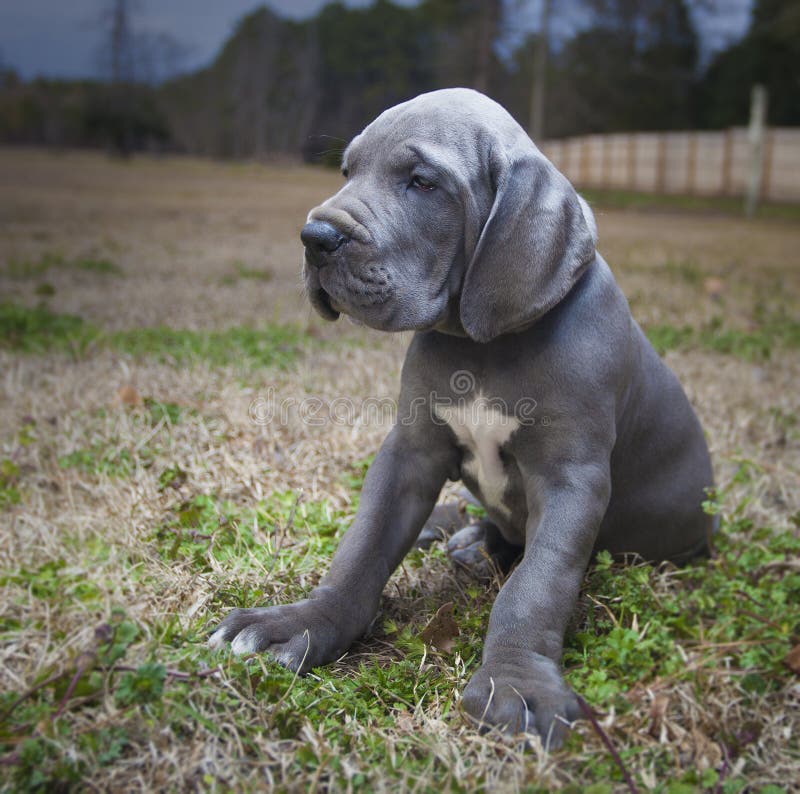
127,395
261,448
792,660
706,753
405,722
658,709
714,287
442,629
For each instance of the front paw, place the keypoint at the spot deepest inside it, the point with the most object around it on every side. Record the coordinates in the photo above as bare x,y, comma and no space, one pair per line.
525,694
299,636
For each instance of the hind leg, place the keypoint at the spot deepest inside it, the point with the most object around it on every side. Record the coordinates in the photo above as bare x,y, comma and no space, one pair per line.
446,519
443,522
482,550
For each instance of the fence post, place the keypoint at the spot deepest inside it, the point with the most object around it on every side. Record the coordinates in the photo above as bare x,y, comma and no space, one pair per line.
661,164
727,158
607,143
631,141
691,165
755,136
766,183
584,161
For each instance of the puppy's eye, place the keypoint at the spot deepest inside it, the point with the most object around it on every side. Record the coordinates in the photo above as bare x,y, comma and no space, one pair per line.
422,184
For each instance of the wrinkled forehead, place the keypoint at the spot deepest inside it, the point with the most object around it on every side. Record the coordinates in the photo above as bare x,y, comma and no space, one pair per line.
449,132
403,137
402,150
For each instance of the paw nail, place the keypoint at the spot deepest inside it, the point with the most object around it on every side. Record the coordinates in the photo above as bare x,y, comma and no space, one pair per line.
217,639
244,642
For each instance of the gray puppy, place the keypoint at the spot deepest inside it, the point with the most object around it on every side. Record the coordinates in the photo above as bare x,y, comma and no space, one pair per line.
527,378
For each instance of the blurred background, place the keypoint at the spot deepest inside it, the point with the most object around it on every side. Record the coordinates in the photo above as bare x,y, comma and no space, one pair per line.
297,79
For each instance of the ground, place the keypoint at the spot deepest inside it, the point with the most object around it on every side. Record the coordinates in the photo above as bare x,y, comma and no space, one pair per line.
180,435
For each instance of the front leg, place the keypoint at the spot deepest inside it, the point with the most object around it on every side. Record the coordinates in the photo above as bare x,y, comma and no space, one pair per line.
519,686
400,490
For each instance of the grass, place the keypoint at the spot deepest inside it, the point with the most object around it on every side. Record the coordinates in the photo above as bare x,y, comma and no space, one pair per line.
9,477
654,202
50,260
642,630
775,332
140,500
39,330
242,271
685,269
36,330
269,346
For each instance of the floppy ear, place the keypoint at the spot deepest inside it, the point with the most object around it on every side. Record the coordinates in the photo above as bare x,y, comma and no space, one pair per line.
534,246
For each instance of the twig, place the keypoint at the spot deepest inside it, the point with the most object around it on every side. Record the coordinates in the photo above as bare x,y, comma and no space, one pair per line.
722,771
284,529
192,533
102,634
85,662
307,635
32,691
781,565
755,616
604,737
604,607
179,674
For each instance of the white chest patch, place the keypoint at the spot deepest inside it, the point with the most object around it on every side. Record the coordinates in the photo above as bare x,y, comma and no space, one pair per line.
482,428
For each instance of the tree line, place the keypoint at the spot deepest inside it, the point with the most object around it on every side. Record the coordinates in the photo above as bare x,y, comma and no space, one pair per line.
287,87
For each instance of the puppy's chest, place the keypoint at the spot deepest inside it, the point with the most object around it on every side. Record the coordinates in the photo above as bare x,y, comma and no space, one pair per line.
483,430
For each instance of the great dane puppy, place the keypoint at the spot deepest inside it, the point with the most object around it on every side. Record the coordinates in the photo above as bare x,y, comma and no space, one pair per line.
527,378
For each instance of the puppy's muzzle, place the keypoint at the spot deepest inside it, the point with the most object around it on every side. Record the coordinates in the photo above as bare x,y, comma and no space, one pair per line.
321,240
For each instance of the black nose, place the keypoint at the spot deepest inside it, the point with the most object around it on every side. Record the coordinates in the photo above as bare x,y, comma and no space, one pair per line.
321,238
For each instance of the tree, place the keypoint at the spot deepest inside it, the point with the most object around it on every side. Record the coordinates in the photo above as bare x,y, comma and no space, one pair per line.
487,22
768,54
632,68
124,114
461,36
369,58
539,82
257,98
116,53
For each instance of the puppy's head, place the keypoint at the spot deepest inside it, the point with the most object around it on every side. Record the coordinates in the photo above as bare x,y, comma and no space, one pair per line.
450,218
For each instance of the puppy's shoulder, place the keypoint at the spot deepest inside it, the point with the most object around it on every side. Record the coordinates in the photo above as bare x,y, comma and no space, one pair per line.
589,337
594,310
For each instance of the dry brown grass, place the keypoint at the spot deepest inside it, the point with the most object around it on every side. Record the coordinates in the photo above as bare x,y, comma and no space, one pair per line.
177,229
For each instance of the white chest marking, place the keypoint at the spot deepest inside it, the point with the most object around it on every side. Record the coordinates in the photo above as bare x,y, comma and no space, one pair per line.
482,428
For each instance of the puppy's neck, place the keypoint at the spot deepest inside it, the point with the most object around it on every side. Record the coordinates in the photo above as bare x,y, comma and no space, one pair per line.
451,323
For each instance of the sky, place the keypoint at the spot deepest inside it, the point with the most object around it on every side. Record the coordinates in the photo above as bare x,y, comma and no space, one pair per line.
59,38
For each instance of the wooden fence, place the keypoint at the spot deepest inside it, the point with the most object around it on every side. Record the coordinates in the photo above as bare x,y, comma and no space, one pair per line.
693,163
